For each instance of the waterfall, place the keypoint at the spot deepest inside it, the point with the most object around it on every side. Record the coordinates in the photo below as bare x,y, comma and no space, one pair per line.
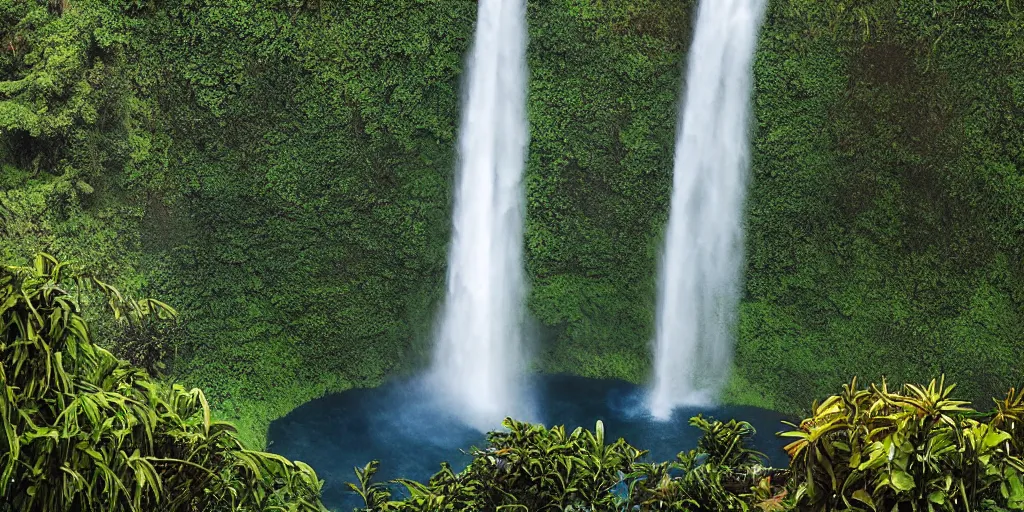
701,267
478,362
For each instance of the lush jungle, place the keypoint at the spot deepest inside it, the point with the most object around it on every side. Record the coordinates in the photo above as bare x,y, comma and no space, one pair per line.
278,172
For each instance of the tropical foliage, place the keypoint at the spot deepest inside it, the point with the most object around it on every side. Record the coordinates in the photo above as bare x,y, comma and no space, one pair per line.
529,467
862,450
83,430
526,468
874,449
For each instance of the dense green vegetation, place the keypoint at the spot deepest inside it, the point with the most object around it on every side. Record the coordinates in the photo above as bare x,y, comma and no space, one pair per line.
279,170
885,233
864,449
85,431
532,468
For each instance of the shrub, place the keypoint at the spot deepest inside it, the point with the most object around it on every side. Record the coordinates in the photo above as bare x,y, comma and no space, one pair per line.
874,449
83,430
531,468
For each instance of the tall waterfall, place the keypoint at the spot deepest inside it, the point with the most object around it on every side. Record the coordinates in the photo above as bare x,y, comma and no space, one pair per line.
478,361
701,268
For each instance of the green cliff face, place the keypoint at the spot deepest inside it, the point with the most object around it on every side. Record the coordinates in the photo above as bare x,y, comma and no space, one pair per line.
280,172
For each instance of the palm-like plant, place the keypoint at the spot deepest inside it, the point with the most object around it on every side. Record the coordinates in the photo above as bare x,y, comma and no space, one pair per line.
1009,417
83,430
873,449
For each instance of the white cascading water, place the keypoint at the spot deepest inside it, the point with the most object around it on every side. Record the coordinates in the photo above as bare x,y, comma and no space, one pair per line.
478,362
701,268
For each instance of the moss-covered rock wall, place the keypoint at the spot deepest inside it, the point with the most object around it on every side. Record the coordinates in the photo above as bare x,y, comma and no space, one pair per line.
280,172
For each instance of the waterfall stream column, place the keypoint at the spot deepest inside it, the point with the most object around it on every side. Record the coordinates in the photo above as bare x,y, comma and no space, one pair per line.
478,362
701,268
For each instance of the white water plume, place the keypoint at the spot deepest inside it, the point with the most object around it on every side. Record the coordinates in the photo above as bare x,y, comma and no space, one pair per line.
478,362
701,268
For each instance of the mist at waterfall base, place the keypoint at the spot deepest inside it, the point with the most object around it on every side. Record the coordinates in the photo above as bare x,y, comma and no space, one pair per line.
479,363
700,276
402,425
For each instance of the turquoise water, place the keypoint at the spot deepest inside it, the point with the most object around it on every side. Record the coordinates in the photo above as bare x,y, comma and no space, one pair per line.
399,425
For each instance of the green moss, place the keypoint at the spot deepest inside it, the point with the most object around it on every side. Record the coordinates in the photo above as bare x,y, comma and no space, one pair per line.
740,391
281,173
